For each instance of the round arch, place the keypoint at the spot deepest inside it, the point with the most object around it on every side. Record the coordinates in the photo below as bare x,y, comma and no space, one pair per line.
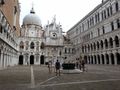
112,58
21,60
32,59
118,58
42,59
107,58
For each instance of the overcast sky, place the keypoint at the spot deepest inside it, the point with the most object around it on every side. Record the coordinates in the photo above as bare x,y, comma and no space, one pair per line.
68,12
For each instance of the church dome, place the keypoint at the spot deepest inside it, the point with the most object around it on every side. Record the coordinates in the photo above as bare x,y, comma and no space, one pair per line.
32,18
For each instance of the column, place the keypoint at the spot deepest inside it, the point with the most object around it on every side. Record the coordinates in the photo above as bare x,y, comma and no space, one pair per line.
100,59
105,59
115,59
1,59
110,59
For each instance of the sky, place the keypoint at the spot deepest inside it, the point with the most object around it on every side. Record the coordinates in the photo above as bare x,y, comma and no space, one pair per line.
67,12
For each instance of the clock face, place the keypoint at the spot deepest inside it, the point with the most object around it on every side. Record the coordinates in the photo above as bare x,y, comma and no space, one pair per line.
54,35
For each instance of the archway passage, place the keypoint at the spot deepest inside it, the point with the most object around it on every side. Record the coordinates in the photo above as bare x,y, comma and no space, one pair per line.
31,59
42,59
107,59
21,60
112,59
118,58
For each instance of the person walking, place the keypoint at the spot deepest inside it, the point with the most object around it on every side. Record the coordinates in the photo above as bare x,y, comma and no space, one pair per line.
50,66
57,66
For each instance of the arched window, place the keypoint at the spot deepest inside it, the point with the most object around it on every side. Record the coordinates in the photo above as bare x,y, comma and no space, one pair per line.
32,45
94,46
106,43
101,44
98,45
111,42
116,41
21,45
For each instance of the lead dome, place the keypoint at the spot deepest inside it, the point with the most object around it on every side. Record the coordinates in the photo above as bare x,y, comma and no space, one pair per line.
32,18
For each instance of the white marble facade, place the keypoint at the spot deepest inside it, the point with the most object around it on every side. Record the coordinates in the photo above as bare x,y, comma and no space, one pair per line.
38,45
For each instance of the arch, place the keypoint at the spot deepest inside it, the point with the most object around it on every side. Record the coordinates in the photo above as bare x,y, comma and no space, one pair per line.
98,45
95,59
98,56
102,56
88,47
107,58
91,59
101,42
116,41
106,43
111,42
21,60
112,58
118,58
32,59
32,45
91,47
94,46
42,61
21,46
85,58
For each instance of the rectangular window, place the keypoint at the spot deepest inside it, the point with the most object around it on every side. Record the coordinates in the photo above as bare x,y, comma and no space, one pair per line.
111,10
117,6
108,12
112,26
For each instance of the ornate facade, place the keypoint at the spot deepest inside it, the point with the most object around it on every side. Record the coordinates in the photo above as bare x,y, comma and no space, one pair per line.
38,45
97,36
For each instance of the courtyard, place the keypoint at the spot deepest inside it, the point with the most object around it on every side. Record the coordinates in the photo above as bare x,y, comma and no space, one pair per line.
97,77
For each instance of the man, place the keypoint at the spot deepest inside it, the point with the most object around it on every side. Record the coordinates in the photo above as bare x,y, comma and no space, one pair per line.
57,66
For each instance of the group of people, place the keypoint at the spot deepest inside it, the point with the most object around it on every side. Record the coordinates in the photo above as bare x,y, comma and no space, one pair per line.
56,69
81,65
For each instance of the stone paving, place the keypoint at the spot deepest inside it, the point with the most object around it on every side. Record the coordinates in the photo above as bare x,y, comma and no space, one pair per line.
97,77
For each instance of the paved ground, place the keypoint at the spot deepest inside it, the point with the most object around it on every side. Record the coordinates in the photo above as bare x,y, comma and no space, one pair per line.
98,77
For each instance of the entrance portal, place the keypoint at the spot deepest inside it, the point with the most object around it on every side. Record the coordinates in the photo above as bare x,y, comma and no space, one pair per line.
42,59
31,59
21,60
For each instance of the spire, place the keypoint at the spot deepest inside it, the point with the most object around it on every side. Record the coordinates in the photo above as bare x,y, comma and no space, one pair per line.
32,10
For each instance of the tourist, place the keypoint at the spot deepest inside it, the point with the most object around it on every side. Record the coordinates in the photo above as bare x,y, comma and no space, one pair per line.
57,66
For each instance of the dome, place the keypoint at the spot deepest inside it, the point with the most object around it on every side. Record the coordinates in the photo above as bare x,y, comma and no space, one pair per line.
32,18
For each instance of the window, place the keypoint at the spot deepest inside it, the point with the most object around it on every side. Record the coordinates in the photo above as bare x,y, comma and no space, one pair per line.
32,45
21,45
117,6
111,10
112,26
118,23
104,14
108,12
103,28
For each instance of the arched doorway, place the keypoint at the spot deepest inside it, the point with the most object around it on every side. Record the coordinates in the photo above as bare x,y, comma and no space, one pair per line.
98,59
21,60
42,59
118,58
91,59
31,59
107,59
103,62
95,59
112,59
85,58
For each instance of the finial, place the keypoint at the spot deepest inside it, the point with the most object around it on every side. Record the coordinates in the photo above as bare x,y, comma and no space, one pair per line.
32,10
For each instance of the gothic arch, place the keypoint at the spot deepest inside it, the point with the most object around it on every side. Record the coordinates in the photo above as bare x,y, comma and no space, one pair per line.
21,46
101,43
112,58
102,56
111,42
106,43
32,59
98,46
21,58
116,41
